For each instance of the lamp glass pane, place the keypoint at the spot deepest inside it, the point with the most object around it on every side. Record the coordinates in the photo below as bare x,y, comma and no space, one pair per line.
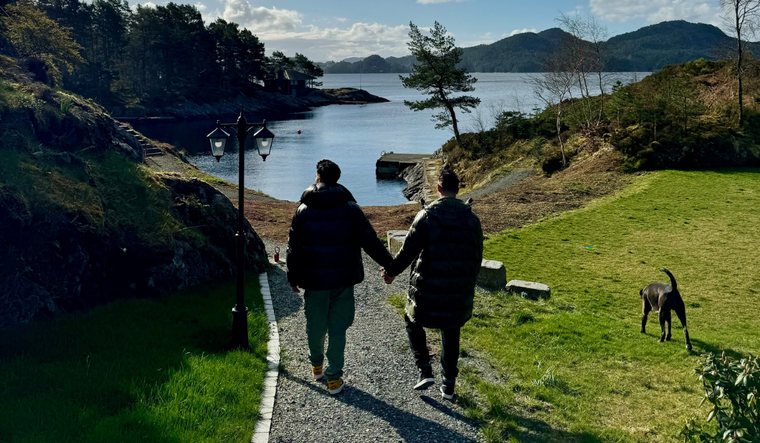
264,145
217,146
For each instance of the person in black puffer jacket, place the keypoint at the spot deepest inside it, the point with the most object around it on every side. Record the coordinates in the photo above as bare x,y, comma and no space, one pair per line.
445,248
327,235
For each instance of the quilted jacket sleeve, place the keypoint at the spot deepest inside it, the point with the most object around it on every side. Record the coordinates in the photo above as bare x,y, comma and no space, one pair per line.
413,244
294,253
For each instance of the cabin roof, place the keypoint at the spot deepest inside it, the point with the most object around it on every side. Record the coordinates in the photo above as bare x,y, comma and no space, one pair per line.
290,74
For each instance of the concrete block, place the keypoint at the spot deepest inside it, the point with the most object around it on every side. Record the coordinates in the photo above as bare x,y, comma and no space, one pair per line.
493,274
528,289
396,240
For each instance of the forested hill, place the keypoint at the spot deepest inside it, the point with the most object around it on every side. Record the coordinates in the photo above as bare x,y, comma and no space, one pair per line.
647,49
652,47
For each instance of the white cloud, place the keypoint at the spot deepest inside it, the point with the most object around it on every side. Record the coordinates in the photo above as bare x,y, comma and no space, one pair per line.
260,19
360,39
655,11
428,2
521,31
144,5
200,6
284,30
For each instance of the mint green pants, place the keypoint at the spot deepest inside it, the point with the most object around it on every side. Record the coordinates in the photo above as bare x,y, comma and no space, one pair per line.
328,313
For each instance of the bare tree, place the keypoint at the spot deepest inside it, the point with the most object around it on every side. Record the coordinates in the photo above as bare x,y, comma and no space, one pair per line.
585,54
553,87
741,20
596,34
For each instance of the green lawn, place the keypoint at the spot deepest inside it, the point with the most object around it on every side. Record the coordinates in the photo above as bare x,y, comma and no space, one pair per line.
576,368
148,370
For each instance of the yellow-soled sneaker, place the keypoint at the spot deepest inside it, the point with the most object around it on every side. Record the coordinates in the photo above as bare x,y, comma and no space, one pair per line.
317,372
335,386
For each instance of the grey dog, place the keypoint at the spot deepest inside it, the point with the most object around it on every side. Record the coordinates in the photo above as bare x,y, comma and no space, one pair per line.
663,298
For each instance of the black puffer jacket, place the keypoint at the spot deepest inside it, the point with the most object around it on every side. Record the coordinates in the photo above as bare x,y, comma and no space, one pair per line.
327,234
445,243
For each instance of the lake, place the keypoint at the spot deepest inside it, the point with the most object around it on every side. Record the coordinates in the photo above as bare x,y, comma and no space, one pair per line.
353,136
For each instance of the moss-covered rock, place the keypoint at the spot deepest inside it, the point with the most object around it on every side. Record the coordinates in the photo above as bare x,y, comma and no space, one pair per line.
82,222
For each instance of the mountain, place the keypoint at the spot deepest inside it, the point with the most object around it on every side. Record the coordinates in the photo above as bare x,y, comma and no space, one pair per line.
518,53
652,47
373,64
647,49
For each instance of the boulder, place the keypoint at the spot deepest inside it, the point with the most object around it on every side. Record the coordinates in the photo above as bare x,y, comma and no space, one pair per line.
528,289
396,240
493,274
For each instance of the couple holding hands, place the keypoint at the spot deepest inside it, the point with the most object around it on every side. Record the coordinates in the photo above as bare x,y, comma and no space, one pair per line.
444,247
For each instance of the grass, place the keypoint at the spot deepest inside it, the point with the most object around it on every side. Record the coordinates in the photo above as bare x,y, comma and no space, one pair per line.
398,301
576,367
147,370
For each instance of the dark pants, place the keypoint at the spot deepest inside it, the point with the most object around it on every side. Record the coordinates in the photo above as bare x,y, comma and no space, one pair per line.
449,348
328,313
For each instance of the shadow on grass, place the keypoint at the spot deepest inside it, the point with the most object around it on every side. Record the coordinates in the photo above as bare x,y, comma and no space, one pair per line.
410,427
701,347
540,432
149,370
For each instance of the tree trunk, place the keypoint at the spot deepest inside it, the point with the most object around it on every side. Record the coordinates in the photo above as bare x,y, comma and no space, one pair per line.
601,98
559,134
454,124
739,57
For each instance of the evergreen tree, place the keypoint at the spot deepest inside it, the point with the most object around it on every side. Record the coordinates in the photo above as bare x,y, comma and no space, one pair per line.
34,35
436,74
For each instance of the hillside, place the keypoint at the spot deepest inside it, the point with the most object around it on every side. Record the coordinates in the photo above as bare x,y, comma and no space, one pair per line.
652,47
83,221
645,50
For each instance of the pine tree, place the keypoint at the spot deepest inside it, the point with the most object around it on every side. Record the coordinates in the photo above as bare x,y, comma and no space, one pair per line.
436,74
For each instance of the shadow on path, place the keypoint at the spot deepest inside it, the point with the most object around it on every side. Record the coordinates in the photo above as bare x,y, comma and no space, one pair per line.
410,427
286,302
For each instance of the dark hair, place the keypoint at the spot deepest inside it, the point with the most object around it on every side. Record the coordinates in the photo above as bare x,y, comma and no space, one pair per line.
448,181
328,172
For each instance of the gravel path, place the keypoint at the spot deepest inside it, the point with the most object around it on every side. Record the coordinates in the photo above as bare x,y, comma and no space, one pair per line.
378,403
502,183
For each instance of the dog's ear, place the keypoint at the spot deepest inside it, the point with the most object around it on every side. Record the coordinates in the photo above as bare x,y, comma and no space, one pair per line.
641,292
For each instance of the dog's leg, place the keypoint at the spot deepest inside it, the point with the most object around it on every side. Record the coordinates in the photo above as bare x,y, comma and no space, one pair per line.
662,325
668,319
681,313
645,308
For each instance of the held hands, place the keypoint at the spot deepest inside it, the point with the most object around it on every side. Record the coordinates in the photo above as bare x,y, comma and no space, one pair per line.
387,278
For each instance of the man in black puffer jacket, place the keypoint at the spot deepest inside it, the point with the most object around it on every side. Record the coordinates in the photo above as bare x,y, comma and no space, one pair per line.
445,248
327,235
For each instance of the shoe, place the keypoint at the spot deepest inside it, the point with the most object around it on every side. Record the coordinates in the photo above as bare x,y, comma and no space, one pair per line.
425,380
317,372
447,389
335,386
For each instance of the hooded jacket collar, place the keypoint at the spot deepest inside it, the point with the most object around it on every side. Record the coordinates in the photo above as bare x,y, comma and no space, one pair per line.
326,196
450,211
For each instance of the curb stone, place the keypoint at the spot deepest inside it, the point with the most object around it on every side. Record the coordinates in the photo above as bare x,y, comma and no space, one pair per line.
264,425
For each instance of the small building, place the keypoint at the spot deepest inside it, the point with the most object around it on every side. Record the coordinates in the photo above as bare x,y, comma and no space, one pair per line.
290,82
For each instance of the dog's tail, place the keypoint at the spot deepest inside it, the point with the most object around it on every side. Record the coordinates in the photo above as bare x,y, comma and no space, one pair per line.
673,284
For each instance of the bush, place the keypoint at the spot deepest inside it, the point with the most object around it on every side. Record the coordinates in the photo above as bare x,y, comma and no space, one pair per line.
732,387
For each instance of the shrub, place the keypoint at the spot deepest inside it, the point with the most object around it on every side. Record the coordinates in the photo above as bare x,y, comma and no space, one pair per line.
732,387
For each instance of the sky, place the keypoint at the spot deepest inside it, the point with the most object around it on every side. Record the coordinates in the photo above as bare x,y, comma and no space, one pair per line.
334,30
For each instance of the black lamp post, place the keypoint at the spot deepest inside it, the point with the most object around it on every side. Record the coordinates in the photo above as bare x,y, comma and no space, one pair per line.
218,139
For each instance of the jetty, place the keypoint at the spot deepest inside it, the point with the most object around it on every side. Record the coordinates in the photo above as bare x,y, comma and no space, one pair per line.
390,165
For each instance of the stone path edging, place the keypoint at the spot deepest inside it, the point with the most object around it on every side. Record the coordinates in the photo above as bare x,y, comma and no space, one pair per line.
264,425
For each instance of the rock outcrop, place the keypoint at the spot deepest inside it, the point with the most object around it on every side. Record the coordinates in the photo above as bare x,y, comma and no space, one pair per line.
83,223
258,103
415,182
